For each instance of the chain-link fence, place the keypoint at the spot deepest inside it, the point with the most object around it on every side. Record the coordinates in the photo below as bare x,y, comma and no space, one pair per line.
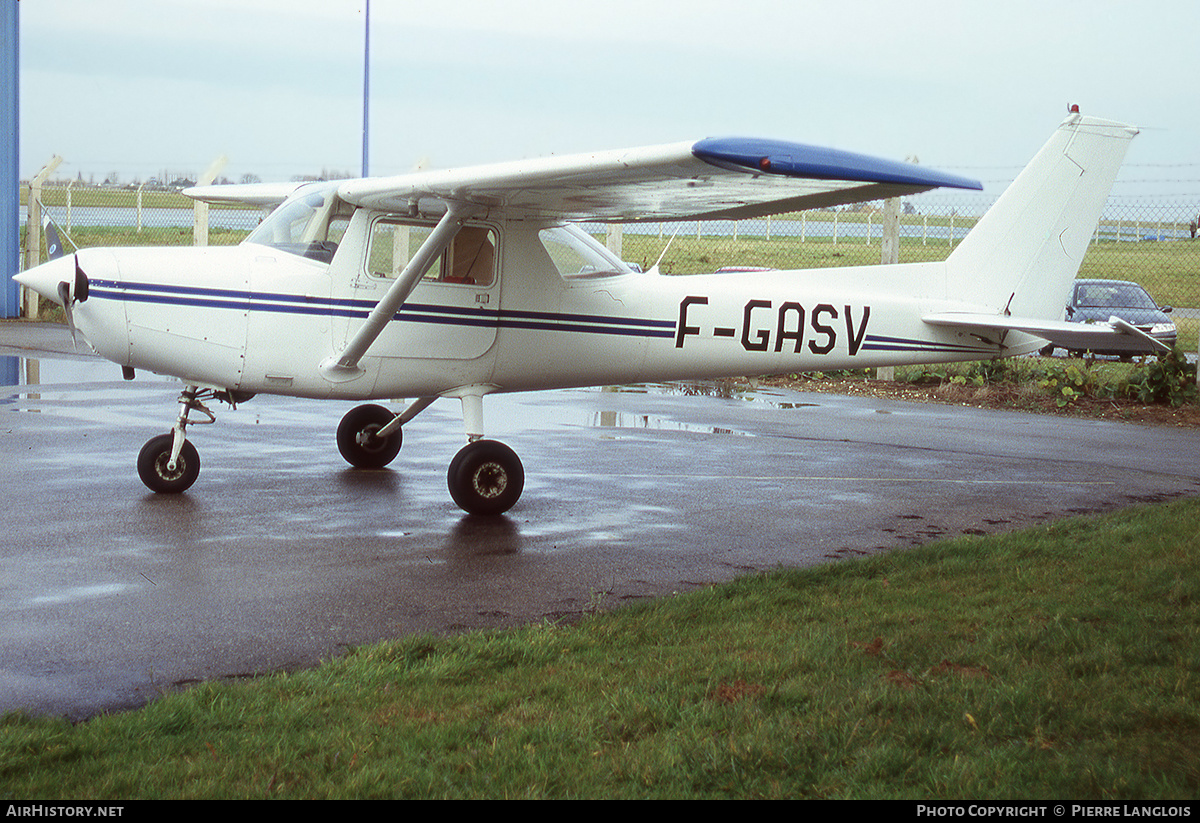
1150,241
88,216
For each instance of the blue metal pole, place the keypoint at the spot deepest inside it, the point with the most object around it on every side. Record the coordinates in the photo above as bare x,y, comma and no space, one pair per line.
10,177
366,84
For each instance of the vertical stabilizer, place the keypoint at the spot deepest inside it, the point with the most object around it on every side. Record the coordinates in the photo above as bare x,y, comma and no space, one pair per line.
1023,254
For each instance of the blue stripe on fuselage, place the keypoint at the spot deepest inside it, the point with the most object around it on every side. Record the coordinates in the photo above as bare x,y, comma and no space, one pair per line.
240,300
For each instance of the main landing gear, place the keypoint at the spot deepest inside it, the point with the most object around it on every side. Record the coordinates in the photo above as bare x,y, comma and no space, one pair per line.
359,441
485,477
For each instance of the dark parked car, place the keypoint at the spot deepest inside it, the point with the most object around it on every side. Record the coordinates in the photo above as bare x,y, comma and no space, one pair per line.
1094,301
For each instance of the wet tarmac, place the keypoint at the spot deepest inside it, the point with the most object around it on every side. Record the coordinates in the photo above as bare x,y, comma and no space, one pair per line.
281,555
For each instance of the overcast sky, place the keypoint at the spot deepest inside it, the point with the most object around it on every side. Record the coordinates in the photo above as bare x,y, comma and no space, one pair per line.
140,86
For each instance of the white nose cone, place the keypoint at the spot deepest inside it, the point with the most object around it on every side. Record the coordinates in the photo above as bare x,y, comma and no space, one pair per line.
44,279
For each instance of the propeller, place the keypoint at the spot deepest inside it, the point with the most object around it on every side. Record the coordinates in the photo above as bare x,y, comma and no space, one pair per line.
73,292
53,244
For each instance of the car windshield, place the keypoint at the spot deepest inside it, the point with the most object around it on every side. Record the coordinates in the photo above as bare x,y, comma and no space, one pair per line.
1113,295
309,223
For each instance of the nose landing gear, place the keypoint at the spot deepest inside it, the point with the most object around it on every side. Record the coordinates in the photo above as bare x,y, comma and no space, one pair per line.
168,463
165,472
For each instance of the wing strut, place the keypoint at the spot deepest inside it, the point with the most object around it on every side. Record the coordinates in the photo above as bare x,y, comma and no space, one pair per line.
344,367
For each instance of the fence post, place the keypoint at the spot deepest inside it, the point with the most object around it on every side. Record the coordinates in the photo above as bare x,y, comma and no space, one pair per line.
614,240
33,230
890,246
200,210
889,253
33,214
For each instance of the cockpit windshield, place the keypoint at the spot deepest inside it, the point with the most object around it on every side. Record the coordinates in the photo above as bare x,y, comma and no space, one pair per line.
310,223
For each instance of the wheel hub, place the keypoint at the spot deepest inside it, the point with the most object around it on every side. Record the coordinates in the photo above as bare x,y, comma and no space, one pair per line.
490,480
162,465
368,440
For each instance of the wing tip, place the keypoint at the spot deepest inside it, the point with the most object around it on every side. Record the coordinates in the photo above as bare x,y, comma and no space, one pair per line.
766,156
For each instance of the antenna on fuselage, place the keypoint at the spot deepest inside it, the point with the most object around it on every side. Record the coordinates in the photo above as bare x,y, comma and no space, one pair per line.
654,268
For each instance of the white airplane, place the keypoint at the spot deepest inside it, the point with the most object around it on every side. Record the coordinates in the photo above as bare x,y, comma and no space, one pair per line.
468,282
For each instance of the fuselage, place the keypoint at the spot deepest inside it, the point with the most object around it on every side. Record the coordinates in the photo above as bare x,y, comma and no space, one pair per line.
261,318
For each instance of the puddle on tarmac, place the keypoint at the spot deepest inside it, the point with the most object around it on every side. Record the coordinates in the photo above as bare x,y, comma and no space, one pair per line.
720,389
628,420
55,371
25,379
76,593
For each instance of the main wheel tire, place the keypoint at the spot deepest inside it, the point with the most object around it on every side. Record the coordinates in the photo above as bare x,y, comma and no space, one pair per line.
152,465
358,442
486,477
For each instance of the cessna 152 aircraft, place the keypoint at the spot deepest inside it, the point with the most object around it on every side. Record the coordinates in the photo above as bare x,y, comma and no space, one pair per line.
467,282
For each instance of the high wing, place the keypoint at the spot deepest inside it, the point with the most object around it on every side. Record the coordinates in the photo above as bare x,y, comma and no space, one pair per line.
715,178
263,195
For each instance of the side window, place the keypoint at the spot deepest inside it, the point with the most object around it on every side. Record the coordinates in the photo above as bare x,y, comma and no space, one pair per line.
470,260
578,255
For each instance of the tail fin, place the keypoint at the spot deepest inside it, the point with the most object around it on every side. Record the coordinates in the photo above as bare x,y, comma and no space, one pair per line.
1023,254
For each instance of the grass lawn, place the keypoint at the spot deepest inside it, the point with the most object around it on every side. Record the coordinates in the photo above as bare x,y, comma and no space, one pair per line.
1058,662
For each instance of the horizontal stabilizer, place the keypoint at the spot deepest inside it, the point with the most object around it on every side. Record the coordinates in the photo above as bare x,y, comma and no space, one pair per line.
1073,336
1128,328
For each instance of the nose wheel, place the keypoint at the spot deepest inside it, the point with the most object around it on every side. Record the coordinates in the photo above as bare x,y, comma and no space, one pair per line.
169,463
163,475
